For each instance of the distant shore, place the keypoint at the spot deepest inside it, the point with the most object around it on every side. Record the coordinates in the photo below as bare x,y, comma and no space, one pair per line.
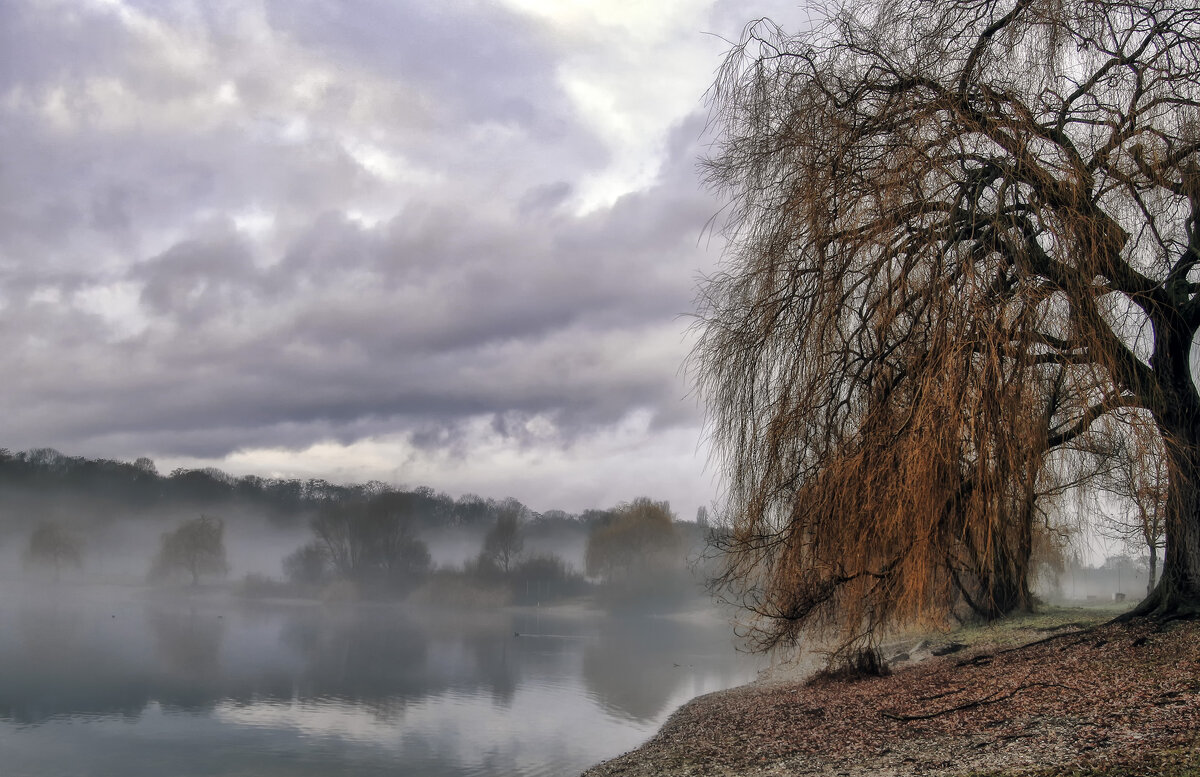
1037,697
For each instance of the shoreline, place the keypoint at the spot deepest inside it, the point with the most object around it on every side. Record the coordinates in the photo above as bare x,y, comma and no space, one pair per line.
1107,699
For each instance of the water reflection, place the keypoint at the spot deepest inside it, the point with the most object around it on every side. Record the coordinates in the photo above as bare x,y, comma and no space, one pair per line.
358,690
189,644
628,675
54,664
375,658
642,665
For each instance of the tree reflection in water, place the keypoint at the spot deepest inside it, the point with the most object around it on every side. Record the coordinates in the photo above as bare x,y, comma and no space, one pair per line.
638,665
359,688
188,644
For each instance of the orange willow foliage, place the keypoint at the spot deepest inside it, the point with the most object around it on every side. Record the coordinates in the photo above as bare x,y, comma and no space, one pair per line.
962,241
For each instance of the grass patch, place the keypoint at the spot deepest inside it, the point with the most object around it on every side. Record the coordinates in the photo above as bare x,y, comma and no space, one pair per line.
1020,628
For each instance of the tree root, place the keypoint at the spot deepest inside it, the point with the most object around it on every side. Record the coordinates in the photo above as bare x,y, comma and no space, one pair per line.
1162,606
1051,638
994,698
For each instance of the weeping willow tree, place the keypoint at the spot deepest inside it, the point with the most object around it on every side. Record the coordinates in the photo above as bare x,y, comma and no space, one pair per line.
962,241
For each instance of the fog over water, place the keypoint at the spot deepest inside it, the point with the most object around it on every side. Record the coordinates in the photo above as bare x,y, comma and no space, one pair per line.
113,681
160,624
423,634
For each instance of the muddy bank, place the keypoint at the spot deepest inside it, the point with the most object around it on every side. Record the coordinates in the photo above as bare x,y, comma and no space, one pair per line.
1111,699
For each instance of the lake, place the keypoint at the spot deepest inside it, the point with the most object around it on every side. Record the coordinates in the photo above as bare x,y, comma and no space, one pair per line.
111,682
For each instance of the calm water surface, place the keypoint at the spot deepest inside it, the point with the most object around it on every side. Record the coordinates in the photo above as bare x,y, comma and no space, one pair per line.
124,684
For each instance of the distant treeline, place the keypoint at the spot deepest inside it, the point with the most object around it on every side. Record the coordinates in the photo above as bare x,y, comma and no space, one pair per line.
117,489
83,519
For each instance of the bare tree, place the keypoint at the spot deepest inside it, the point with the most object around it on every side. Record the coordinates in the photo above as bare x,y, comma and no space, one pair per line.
503,543
962,239
374,541
51,545
308,564
1138,480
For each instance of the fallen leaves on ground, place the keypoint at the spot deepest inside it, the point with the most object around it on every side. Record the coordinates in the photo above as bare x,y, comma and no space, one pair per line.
1097,701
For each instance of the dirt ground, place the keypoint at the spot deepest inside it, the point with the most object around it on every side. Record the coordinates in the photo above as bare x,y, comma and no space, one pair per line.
1112,699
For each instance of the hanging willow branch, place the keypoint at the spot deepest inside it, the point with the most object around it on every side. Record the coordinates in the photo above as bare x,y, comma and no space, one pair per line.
962,242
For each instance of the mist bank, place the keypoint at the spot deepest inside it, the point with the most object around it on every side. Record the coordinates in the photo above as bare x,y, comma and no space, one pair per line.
77,521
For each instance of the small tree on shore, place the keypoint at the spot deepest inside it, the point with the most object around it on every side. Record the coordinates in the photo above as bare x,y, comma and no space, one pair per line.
639,540
196,548
51,545
503,543
308,564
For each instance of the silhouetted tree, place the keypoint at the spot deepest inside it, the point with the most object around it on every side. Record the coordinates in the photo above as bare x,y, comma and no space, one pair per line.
51,545
503,543
308,565
473,510
941,212
196,547
374,541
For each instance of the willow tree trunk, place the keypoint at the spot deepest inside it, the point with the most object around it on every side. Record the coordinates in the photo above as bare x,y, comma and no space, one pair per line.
1007,592
995,582
1178,588
1178,417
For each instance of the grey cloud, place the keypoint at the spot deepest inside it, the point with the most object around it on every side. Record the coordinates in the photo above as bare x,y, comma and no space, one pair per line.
478,296
33,42
92,187
474,61
473,338
544,199
196,279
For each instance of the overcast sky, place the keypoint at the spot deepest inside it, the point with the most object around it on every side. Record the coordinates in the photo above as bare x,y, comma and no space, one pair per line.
438,243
